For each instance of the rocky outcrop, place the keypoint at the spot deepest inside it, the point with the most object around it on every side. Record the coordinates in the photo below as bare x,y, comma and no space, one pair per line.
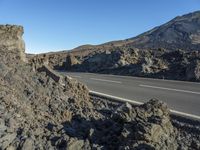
32,102
176,65
193,71
53,60
70,61
50,73
33,98
12,47
146,127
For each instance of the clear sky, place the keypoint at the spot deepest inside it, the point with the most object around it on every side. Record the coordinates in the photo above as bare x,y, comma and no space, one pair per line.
52,25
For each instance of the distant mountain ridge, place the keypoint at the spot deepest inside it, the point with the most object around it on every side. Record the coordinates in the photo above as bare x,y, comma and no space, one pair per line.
182,32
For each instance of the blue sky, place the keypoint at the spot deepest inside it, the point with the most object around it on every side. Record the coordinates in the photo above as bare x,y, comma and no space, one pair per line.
52,25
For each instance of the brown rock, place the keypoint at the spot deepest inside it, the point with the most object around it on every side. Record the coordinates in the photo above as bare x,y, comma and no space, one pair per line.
70,61
12,46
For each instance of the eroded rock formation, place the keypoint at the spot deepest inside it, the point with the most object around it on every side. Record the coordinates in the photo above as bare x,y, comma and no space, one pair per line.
146,127
12,46
193,70
70,61
176,65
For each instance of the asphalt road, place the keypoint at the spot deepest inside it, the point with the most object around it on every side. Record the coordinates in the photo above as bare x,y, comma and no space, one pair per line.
180,96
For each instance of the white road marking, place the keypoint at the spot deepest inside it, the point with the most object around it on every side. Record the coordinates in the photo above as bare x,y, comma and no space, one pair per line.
185,114
117,98
140,103
76,76
169,89
150,79
106,80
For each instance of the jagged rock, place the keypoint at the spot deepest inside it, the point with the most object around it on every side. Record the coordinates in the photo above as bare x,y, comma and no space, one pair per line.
6,140
28,144
193,71
145,63
49,72
130,61
34,100
12,46
10,148
77,144
125,113
146,66
147,127
154,126
70,61
121,63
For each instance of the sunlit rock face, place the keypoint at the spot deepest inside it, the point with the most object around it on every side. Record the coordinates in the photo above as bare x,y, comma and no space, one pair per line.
12,47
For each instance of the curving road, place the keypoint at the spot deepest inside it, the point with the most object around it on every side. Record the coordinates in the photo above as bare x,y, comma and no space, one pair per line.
180,96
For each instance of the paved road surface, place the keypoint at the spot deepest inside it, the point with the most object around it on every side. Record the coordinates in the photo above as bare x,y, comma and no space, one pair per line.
180,96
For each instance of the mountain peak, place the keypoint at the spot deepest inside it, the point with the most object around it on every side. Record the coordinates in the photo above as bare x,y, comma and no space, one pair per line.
182,32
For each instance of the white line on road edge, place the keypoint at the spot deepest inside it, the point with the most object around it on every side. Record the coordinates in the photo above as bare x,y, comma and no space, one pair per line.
115,97
77,76
169,89
185,114
106,80
139,103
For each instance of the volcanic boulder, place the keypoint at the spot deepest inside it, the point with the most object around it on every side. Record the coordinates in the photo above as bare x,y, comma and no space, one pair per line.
146,127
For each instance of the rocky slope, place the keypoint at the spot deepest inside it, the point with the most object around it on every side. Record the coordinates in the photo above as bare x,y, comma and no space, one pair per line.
31,95
40,109
182,32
